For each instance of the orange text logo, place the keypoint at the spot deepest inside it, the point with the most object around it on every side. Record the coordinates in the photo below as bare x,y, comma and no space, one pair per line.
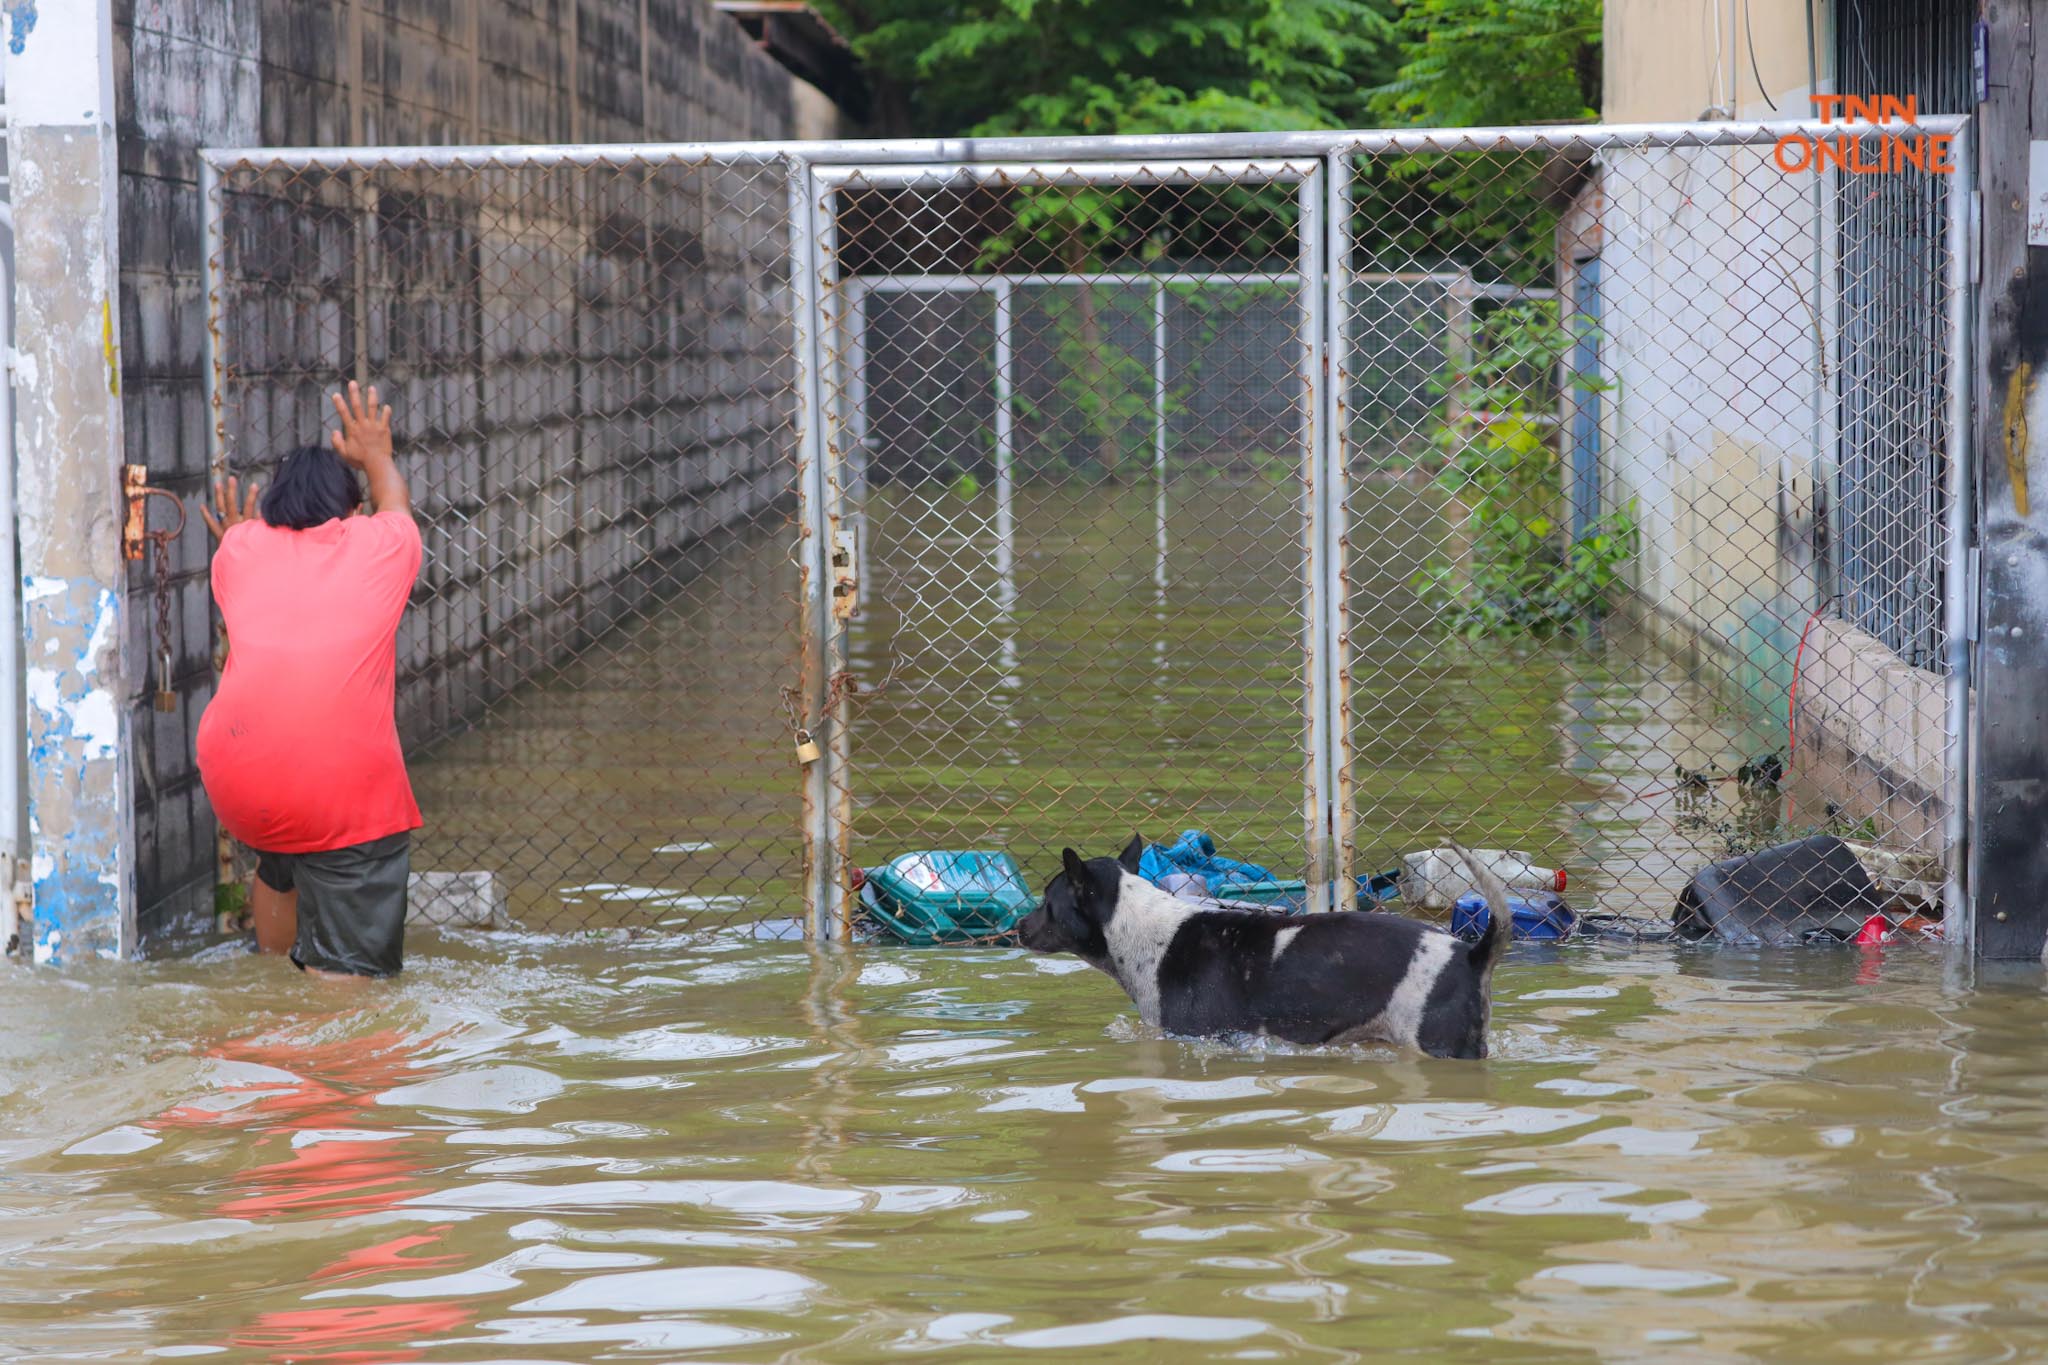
1861,153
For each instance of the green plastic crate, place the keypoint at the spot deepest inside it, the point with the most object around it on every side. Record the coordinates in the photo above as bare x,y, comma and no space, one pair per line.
948,897
1281,895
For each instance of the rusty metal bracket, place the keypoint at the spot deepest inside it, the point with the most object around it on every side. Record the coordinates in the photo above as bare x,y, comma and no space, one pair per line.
135,484
135,532
845,575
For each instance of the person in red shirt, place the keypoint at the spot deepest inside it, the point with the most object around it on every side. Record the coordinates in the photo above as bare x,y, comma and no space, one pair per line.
298,749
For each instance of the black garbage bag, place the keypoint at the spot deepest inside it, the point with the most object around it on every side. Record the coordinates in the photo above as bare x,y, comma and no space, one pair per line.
1780,896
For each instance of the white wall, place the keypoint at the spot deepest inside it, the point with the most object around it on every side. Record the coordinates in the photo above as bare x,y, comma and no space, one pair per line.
1710,422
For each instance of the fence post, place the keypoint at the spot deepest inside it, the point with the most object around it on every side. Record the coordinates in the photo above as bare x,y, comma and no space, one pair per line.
826,791
67,385
213,370
1315,543
1006,435
1159,445
1336,485
1957,580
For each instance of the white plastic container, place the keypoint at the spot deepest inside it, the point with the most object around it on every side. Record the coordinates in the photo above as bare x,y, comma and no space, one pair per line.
1434,878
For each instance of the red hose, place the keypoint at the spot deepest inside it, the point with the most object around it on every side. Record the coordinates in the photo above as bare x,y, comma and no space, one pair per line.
1792,697
1792,701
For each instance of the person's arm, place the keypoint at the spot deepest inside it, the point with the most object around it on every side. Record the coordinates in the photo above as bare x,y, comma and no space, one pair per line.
365,442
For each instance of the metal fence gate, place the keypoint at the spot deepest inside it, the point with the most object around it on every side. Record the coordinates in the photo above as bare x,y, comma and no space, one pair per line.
1331,494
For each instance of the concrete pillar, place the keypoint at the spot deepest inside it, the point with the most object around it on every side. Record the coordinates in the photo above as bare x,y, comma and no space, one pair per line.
2010,834
64,171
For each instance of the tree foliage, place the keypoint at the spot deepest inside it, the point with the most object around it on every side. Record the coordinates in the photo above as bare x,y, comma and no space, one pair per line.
1484,63
1032,67
1480,63
993,67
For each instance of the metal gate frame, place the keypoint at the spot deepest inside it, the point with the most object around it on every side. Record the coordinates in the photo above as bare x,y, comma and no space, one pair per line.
825,445
817,170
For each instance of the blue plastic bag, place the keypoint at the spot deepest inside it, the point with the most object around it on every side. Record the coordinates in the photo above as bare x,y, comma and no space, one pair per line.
1196,852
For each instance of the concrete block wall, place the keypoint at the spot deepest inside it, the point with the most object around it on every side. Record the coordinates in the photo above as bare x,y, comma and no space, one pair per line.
587,385
1873,736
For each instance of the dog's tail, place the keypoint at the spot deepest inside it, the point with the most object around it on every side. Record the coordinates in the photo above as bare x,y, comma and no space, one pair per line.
1500,914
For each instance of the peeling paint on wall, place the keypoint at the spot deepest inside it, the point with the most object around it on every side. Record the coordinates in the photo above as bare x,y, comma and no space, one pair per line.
108,349
21,19
2016,426
75,742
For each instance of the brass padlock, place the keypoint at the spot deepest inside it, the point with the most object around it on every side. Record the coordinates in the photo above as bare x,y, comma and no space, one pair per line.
166,695
807,750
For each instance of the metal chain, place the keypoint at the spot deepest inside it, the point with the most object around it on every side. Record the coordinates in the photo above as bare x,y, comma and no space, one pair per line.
163,616
160,541
838,688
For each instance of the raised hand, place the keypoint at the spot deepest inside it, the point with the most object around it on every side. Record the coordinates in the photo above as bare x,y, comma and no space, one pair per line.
229,507
365,435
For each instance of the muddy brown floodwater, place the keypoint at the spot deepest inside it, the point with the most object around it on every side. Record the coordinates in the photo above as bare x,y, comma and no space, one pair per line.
699,1145
708,1147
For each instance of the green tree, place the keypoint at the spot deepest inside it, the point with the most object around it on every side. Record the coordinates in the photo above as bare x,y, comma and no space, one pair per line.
1476,64
1019,67
992,67
1481,63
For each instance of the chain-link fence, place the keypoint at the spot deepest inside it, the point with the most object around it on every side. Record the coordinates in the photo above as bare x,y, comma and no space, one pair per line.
1335,495
1691,500
592,376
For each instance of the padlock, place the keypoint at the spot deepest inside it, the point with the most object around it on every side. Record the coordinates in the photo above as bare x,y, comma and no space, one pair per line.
807,750
166,696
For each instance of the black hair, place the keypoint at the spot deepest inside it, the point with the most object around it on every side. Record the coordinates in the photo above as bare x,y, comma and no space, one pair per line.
311,486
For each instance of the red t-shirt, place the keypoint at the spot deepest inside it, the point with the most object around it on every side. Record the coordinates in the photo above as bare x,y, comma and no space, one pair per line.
299,747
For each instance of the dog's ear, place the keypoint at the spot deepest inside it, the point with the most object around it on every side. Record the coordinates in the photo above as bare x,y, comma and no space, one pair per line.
1133,851
1077,874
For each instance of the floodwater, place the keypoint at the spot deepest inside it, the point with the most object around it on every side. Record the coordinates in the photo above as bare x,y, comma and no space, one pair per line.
1127,663
695,1144
712,1148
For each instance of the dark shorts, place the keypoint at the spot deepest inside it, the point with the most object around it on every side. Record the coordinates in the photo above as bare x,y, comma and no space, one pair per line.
351,903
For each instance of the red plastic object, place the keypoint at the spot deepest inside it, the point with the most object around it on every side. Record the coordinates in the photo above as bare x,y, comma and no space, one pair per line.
1876,929
1559,888
858,879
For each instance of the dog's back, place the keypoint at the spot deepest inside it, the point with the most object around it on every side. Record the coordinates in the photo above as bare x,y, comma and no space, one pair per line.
1347,977
1340,977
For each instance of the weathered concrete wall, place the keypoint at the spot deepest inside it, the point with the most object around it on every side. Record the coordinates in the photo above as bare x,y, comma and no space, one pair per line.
1712,429
514,505
68,430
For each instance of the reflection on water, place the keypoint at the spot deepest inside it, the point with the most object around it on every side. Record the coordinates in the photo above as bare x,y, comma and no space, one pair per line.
705,1147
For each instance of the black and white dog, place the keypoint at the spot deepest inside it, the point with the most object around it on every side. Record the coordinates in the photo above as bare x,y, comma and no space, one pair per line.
1345,977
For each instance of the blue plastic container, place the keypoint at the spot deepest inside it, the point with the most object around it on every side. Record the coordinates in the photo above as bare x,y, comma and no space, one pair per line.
948,897
1542,917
